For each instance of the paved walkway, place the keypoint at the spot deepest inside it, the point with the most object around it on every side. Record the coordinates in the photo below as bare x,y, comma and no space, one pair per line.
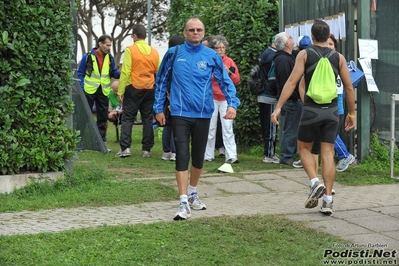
363,215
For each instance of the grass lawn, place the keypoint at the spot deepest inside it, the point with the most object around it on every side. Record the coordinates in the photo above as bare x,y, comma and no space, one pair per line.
249,240
105,180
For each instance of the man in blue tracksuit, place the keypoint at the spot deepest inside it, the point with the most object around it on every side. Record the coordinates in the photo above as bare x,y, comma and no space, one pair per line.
192,106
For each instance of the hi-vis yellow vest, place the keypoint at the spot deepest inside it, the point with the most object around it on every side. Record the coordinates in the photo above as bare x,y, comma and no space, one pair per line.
91,83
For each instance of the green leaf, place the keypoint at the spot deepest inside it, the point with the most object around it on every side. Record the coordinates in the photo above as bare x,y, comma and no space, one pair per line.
22,82
5,36
10,46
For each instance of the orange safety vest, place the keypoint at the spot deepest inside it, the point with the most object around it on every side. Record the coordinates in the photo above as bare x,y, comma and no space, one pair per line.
144,68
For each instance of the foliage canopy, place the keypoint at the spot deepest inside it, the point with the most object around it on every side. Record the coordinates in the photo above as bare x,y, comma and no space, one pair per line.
116,18
248,27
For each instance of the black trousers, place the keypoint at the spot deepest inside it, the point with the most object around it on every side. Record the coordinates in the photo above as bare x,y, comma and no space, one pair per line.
102,103
133,101
269,130
219,138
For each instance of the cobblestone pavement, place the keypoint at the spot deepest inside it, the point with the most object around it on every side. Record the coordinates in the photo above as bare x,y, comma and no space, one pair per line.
366,214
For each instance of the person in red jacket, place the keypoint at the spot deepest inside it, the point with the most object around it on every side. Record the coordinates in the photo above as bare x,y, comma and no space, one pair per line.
220,44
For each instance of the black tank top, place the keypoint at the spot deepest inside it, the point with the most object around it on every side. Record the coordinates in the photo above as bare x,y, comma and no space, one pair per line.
311,60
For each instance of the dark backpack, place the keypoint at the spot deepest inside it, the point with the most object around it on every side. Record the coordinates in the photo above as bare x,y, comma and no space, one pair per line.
255,83
262,78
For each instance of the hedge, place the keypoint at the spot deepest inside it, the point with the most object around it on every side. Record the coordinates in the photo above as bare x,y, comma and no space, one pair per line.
35,81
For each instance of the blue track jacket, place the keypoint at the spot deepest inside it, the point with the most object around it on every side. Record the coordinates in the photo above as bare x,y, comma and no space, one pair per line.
191,87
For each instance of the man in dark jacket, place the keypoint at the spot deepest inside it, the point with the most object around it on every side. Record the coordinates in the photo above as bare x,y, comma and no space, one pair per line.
267,102
284,62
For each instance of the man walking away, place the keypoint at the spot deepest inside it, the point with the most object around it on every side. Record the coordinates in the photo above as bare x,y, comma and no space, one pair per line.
136,91
319,118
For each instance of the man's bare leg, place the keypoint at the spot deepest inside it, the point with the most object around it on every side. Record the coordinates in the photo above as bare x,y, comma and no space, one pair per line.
195,175
310,165
328,166
307,159
182,181
193,199
316,159
184,211
328,172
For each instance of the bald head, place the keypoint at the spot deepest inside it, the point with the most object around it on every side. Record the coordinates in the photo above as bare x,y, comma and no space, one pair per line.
194,31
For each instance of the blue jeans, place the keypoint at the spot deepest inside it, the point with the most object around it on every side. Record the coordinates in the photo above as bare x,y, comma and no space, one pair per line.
168,142
291,115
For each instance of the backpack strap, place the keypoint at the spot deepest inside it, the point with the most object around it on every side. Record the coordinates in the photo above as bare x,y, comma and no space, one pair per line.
312,67
171,69
89,64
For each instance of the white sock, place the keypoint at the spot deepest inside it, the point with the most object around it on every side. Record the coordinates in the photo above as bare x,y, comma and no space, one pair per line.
313,180
191,189
327,199
183,198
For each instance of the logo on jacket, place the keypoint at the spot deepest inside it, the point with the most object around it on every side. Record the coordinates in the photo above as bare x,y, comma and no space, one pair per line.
201,65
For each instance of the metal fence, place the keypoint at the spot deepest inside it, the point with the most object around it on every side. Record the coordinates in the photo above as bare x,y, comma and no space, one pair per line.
83,120
385,25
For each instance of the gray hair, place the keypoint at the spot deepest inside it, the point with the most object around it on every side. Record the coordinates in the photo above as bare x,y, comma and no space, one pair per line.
280,41
217,40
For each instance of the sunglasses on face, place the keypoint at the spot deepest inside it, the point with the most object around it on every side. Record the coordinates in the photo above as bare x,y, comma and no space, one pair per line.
194,30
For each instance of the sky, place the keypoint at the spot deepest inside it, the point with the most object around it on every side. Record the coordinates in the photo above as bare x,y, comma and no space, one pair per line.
161,47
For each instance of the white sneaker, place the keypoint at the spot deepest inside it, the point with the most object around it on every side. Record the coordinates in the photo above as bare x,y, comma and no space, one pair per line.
343,164
297,164
125,153
332,192
166,156
327,208
183,213
221,152
146,154
316,192
173,156
273,159
195,202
